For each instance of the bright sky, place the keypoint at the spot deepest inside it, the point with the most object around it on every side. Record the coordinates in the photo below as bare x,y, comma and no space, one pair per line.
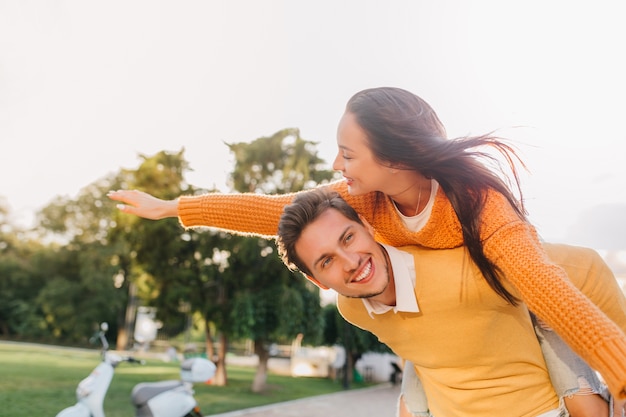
86,86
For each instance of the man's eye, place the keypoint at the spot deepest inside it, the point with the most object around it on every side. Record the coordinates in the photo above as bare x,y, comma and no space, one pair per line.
326,262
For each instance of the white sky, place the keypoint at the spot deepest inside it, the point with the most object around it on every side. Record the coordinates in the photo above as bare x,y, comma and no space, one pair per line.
86,86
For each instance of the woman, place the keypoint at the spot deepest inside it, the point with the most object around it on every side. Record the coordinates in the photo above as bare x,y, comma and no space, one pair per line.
417,187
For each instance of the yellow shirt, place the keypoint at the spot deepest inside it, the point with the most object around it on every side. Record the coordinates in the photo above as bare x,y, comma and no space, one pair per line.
476,355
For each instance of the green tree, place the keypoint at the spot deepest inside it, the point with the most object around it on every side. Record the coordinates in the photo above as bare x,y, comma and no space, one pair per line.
277,164
179,272
56,279
151,257
79,292
77,275
269,303
19,281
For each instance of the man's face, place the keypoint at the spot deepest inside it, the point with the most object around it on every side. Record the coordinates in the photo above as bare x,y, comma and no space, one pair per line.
343,255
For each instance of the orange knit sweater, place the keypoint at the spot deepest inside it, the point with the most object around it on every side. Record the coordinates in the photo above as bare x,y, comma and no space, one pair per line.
512,244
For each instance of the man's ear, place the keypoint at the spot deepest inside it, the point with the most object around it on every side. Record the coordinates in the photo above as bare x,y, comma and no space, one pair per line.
316,282
367,225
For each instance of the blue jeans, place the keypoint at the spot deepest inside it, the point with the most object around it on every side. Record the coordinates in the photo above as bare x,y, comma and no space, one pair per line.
565,367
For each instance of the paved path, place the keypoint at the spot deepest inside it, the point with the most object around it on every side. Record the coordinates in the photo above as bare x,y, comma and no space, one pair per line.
378,401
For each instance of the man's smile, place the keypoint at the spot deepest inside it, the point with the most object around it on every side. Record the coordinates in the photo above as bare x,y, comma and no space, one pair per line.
365,272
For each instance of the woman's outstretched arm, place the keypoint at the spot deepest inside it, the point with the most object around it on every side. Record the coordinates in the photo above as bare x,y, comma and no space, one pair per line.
240,213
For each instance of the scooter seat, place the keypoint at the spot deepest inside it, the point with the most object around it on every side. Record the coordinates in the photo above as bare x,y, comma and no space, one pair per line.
143,391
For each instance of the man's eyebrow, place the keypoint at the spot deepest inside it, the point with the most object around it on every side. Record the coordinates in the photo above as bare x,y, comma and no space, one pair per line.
324,255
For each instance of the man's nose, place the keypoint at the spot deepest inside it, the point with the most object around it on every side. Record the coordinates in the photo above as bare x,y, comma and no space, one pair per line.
351,260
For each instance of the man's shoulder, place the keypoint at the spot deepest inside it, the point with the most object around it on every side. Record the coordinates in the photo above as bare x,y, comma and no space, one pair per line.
416,250
351,308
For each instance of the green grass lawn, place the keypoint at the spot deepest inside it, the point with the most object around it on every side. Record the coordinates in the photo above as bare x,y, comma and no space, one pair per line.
38,380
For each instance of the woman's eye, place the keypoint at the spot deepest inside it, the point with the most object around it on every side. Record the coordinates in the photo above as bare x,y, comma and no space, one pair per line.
345,157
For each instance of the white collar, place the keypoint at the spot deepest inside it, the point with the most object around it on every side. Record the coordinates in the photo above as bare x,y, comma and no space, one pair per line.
403,267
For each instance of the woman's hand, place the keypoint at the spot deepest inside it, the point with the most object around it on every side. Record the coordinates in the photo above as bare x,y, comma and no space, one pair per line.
144,205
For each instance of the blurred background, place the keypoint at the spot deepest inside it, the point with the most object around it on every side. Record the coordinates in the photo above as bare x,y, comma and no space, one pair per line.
87,86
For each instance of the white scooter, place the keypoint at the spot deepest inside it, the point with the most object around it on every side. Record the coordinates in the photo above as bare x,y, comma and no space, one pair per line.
171,398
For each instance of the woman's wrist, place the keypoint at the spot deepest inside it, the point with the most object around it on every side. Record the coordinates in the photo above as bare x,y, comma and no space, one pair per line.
171,208
165,209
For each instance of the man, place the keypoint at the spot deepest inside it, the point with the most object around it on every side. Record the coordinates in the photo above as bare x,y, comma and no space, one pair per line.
475,354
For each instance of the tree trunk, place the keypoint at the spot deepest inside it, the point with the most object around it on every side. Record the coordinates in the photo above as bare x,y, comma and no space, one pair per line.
348,370
347,366
209,346
221,377
260,378
125,332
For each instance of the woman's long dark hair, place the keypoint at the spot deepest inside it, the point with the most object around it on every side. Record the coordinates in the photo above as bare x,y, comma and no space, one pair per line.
404,132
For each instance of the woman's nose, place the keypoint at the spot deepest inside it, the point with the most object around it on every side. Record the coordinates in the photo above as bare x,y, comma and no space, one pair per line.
338,163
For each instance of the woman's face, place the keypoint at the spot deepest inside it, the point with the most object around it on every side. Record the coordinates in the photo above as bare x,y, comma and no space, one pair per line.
355,160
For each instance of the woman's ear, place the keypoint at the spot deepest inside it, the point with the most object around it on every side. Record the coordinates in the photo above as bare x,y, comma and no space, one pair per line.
316,282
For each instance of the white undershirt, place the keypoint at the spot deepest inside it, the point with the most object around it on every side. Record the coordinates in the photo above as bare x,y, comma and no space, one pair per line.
416,223
403,264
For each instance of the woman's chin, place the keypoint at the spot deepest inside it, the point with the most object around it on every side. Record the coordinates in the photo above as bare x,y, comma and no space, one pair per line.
352,190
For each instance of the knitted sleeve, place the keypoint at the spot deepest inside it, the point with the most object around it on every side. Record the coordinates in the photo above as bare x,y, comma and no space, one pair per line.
592,276
246,213
514,247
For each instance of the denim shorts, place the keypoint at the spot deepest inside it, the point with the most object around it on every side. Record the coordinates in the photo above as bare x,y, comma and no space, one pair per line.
568,371
565,367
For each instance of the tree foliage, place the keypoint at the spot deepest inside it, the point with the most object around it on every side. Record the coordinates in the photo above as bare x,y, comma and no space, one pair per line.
266,303
56,280
277,164
19,312
153,256
86,262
